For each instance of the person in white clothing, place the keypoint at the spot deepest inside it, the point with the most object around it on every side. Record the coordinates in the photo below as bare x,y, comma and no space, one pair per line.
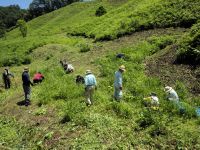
151,101
70,68
171,94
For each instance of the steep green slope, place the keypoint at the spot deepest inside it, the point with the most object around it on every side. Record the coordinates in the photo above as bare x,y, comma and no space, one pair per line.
124,17
141,15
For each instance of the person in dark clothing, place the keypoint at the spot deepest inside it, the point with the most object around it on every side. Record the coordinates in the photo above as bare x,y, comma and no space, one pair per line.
120,55
6,78
26,85
80,79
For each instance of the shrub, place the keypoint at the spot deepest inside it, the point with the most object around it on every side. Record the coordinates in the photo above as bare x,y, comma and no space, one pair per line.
100,11
189,47
26,60
145,119
122,109
160,42
65,119
84,48
158,129
9,61
22,27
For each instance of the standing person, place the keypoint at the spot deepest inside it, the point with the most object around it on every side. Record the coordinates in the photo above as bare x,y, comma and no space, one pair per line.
90,86
26,85
118,83
6,78
171,94
38,77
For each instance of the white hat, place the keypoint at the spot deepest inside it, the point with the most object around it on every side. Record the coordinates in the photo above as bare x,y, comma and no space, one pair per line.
88,72
168,89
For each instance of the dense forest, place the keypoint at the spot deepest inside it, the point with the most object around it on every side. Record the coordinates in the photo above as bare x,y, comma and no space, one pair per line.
9,16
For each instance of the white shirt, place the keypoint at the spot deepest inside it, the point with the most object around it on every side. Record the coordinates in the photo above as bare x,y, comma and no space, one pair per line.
70,67
155,100
173,96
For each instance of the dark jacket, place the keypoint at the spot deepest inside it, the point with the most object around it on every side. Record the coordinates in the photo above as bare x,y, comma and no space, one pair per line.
26,79
7,75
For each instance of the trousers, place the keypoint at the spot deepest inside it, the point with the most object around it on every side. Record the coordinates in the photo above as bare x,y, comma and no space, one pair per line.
89,92
27,92
117,93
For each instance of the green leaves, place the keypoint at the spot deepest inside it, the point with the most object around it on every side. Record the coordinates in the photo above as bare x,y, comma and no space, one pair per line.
22,27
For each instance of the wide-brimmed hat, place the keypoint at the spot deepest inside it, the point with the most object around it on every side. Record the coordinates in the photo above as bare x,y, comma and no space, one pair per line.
88,72
122,67
26,68
168,89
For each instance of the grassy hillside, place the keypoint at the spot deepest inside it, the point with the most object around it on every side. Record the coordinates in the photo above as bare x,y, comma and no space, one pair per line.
58,117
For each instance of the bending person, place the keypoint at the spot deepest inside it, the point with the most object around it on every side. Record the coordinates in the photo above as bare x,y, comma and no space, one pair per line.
38,77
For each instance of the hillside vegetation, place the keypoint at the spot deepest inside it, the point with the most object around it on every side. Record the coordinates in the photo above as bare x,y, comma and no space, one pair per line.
58,117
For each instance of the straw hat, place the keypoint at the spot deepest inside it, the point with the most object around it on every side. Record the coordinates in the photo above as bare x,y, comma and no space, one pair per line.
168,89
88,72
122,67
26,69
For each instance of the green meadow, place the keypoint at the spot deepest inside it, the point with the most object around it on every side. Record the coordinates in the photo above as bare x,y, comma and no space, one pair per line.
58,118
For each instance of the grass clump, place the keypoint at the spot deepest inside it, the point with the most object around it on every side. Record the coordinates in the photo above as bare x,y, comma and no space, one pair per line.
100,11
189,49
84,48
161,42
122,110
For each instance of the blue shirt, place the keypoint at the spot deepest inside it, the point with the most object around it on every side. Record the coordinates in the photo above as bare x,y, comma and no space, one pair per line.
90,80
118,79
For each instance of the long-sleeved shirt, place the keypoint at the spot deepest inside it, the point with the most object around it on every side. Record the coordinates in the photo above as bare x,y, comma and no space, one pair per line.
90,80
26,79
118,79
38,76
7,75
173,96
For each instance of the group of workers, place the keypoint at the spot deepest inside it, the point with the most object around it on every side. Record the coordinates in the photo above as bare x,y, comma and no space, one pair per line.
90,85
38,78
153,100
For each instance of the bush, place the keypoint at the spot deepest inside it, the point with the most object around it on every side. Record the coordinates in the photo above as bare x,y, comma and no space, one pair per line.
122,109
84,48
9,61
26,60
189,47
160,42
22,27
146,119
158,129
100,11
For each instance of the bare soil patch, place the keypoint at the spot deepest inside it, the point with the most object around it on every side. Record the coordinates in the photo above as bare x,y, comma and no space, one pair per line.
163,65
